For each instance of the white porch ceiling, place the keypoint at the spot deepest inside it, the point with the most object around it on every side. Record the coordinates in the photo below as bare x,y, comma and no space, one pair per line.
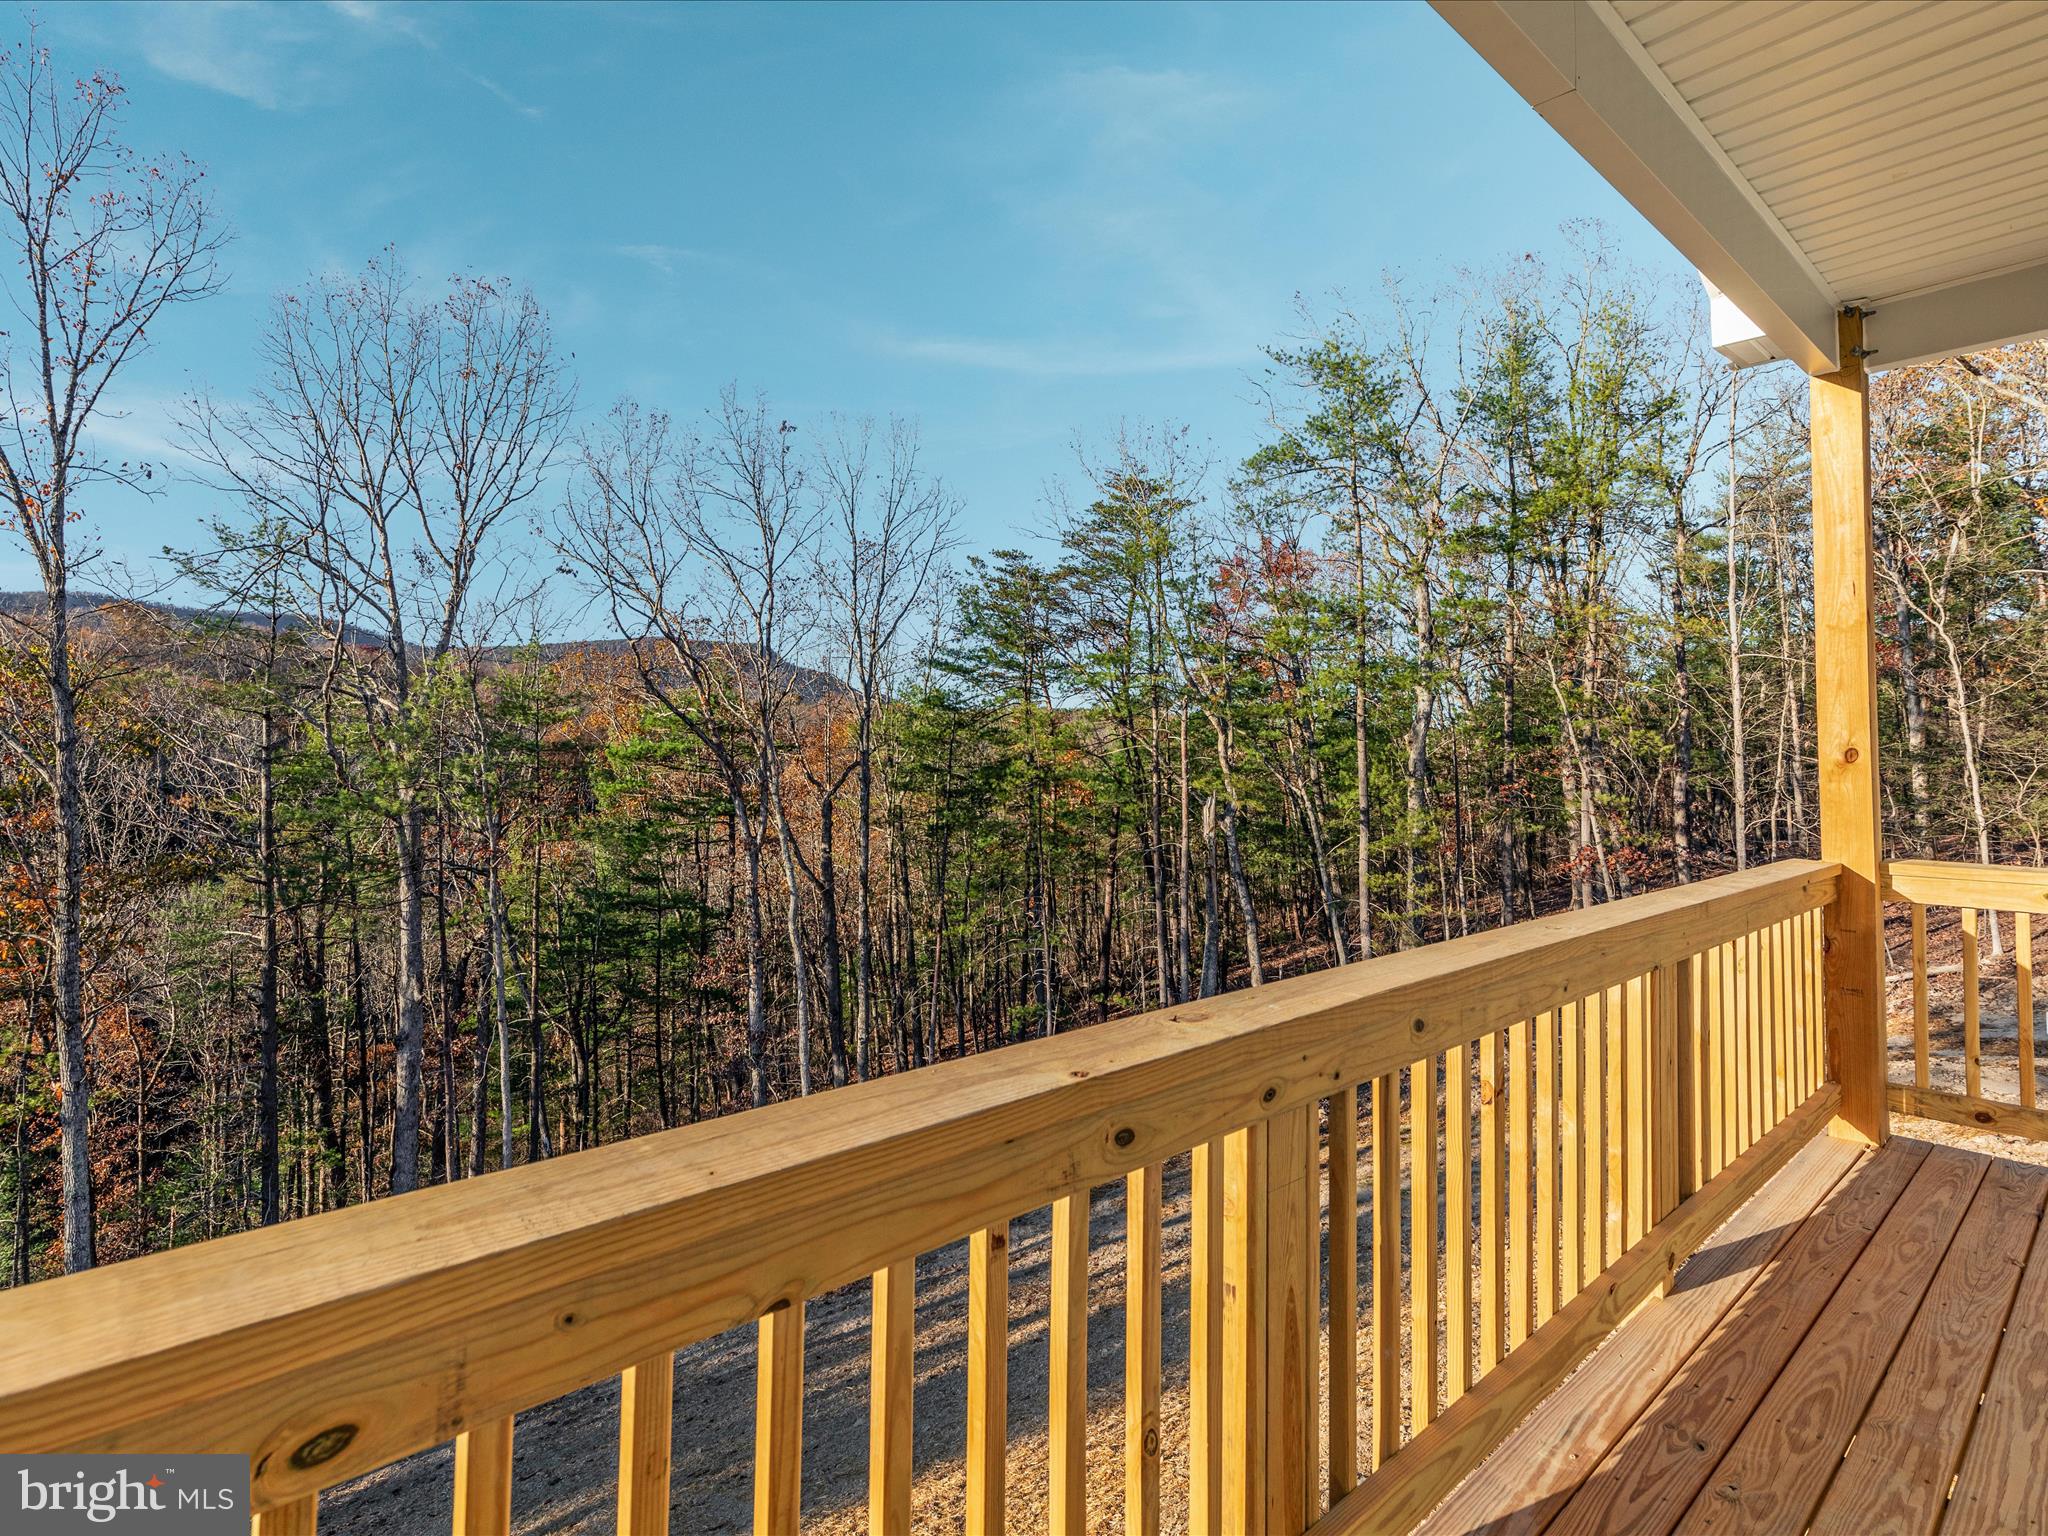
1812,154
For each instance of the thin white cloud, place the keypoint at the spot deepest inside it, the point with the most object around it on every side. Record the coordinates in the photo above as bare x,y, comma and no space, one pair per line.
1143,111
255,53
524,109
666,258
1057,357
138,428
387,18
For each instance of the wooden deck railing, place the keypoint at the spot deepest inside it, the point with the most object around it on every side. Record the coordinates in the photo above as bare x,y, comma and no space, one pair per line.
1556,1113
1991,901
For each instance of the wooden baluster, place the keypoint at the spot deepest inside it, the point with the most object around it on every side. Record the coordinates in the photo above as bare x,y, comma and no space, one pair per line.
892,1373
1520,1183
1769,1022
988,1377
1818,984
1571,1133
1738,1053
1311,1266
1713,1029
1386,1268
1292,1315
1781,1023
1802,1028
1422,1212
1754,1035
1973,1044
1492,1127
2023,1000
1920,1065
1816,1004
1618,1128
1639,1143
1802,964
1669,1086
1343,1448
1543,1248
1243,1441
1205,1355
1766,1034
1594,1230
301,1517
1691,1079
1141,1351
483,1480
1786,1035
779,1422
1739,1012
1458,1223
1067,1365
646,1401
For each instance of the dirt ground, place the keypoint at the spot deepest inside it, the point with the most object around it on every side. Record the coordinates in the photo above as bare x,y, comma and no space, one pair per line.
566,1452
565,1458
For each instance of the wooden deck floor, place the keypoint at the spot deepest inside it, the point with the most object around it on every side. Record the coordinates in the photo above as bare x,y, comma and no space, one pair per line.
1862,1349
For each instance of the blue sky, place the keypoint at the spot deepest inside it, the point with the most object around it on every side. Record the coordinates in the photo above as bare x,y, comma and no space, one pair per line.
1014,224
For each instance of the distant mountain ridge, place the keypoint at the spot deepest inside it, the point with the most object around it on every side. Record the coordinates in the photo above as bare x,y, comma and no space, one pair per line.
811,685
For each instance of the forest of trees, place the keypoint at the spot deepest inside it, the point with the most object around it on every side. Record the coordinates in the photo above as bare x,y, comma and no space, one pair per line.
357,875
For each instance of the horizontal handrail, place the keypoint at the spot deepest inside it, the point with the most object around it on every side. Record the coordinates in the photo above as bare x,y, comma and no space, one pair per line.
339,1343
1997,887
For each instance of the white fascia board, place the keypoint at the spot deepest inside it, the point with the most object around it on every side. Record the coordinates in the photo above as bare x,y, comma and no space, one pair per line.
1968,317
1612,105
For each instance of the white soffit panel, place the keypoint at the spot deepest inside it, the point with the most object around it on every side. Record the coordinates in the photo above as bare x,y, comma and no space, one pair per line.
1891,154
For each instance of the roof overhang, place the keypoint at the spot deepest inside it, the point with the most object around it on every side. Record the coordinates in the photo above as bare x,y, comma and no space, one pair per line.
1687,156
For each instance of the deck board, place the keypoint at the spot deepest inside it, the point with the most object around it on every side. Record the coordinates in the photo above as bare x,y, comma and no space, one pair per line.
1518,1490
1896,1476
1818,1366
1779,1467
2003,1483
1645,1483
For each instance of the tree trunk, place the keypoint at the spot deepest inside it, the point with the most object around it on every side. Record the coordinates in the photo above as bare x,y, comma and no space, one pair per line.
266,987
408,1092
67,978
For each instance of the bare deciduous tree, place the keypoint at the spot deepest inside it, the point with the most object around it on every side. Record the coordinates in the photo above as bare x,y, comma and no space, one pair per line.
388,442
104,241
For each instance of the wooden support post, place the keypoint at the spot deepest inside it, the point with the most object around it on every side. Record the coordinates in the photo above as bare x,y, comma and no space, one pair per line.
1845,725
